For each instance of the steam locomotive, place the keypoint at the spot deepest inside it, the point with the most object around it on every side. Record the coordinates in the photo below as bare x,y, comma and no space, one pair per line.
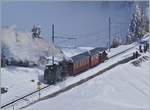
75,65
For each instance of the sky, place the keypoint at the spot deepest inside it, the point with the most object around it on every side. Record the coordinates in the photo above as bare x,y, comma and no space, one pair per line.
85,21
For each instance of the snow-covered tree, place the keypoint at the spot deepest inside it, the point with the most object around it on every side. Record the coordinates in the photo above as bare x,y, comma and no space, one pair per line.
137,27
36,31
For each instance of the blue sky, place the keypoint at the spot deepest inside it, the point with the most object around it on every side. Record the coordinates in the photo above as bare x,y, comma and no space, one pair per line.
77,19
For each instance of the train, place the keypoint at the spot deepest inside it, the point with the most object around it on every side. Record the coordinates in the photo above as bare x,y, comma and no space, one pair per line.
75,65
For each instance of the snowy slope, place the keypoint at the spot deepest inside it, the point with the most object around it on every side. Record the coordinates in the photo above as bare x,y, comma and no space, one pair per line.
125,87
116,82
18,81
20,46
23,85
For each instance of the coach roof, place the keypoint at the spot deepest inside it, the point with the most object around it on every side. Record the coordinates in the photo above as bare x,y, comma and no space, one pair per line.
97,50
80,56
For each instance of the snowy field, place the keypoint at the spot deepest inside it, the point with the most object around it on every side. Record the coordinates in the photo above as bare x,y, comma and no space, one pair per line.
116,86
18,79
79,27
124,87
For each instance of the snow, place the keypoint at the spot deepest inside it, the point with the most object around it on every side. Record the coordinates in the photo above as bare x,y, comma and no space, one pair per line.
18,81
124,87
145,38
120,48
23,85
111,90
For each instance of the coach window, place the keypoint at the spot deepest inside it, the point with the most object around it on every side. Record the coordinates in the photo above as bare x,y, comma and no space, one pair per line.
78,64
75,65
97,55
84,62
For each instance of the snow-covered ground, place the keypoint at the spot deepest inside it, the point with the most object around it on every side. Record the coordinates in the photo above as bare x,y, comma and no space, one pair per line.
120,48
18,80
125,87
116,87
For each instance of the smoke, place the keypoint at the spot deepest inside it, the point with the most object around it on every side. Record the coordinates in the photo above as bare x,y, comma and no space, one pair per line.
22,47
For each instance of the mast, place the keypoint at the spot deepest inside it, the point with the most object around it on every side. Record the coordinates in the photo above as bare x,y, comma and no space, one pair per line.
53,43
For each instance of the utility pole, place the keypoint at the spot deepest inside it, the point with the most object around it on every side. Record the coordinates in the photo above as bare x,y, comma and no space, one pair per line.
109,33
53,43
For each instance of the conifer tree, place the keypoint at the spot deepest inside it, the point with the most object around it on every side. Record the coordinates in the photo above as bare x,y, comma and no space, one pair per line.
137,27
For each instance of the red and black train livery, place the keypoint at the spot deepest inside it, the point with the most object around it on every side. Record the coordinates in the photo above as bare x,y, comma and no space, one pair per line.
75,65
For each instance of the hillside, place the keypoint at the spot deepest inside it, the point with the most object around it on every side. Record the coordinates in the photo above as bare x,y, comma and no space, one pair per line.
114,87
125,87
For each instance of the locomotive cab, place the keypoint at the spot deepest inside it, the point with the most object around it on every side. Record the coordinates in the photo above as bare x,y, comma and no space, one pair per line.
53,73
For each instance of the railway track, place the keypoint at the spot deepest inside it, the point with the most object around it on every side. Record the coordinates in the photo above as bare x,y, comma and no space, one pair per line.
3,106
68,87
122,52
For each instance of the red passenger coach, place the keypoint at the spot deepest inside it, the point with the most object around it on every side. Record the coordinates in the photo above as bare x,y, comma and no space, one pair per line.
86,60
80,63
96,57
